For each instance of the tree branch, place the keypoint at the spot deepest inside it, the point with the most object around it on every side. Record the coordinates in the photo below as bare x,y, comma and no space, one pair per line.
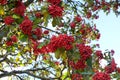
49,29
19,77
28,72
28,2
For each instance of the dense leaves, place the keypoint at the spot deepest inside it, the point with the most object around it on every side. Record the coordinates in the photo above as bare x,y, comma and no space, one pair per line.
51,40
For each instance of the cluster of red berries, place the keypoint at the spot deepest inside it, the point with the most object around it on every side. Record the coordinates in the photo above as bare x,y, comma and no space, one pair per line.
62,41
54,9
77,77
101,76
13,39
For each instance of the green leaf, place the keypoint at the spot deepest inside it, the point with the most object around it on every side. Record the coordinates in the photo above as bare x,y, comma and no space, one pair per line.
89,62
23,38
16,16
41,44
56,21
19,20
60,53
37,20
57,54
45,17
64,55
65,74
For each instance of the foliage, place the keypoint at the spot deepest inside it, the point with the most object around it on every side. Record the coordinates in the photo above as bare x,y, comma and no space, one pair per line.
51,40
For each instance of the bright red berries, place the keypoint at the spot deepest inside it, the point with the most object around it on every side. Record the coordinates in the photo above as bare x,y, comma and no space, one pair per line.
46,32
38,33
78,18
101,76
89,14
62,41
35,47
54,2
99,54
20,8
77,77
72,25
118,69
55,11
26,26
111,68
9,43
85,51
95,8
3,2
38,15
13,39
8,20
39,49
57,63
80,64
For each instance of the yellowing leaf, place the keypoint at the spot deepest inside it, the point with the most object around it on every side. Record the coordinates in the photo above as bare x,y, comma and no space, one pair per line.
16,16
2,12
26,48
46,16
57,54
64,56
56,21
17,59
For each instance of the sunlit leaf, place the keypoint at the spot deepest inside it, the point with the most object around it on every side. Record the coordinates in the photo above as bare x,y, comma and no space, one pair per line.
23,38
45,17
2,10
16,16
57,54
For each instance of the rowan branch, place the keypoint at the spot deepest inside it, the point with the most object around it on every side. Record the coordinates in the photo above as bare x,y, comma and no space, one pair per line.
28,72
49,29
28,2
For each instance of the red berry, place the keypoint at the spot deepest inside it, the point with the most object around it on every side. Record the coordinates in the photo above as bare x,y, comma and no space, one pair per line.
8,20
46,32
14,38
78,18
72,24
89,14
9,43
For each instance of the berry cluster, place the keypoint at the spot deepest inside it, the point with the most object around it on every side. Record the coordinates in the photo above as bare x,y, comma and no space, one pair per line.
13,39
54,9
26,26
62,41
101,76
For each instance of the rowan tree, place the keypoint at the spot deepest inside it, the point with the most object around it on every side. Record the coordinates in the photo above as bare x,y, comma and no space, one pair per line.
51,40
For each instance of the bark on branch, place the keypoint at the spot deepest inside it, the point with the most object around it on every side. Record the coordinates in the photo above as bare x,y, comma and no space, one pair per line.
28,72
28,2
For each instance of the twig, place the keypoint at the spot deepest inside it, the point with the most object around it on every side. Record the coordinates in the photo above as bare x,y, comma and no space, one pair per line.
49,29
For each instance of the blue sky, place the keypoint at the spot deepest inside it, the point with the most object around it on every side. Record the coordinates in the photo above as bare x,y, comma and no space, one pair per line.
109,27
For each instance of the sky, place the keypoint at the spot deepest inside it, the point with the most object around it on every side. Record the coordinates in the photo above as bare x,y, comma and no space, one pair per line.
109,27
